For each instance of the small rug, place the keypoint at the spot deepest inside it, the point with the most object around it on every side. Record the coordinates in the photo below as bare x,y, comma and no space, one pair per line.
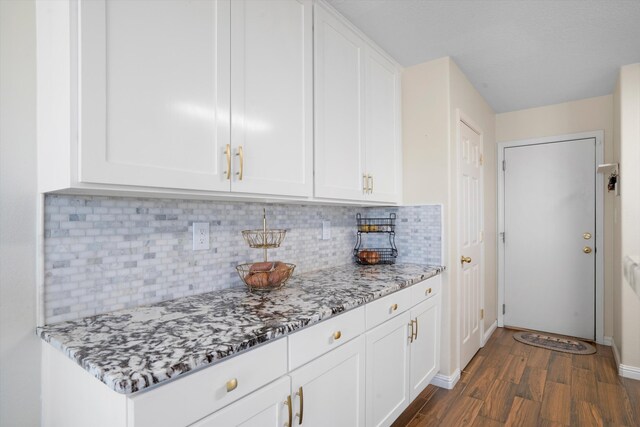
550,342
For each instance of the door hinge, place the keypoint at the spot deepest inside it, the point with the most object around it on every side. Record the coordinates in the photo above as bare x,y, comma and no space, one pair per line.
481,160
504,308
502,233
482,314
504,165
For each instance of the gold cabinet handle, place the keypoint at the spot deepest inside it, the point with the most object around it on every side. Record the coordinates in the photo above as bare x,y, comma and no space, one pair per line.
415,337
394,307
290,410
365,184
586,250
428,291
227,152
464,259
371,184
411,334
301,414
240,154
232,385
337,335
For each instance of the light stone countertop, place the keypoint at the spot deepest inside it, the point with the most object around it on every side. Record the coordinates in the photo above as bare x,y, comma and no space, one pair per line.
131,350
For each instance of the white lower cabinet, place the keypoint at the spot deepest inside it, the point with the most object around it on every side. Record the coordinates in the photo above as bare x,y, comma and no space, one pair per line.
388,350
315,378
267,407
330,391
425,348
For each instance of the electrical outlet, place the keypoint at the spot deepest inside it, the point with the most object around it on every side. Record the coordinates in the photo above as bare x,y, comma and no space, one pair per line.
200,236
326,230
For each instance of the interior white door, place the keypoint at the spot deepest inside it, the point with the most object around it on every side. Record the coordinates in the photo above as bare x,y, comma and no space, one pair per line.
271,96
387,371
329,391
383,151
339,125
549,224
470,238
154,98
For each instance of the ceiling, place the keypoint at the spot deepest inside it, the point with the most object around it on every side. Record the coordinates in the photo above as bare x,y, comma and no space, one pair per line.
517,53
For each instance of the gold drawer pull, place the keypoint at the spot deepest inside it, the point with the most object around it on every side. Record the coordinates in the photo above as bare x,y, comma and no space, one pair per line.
290,410
428,291
337,335
232,385
394,307
301,413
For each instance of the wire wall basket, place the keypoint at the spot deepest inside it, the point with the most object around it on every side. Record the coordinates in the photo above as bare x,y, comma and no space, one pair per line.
372,256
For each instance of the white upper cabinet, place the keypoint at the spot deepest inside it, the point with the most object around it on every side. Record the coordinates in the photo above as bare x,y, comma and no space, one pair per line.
382,119
339,139
203,95
357,93
154,93
271,97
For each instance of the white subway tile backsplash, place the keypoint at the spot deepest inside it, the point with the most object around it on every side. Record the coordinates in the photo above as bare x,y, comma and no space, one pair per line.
108,253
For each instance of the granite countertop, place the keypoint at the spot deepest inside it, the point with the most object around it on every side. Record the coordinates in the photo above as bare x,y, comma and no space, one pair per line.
131,350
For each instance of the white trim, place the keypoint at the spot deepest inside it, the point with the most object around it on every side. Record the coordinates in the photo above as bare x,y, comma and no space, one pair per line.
461,117
626,371
599,232
489,332
444,381
608,341
616,354
630,372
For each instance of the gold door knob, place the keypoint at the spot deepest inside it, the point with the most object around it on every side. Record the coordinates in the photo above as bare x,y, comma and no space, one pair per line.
464,259
586,250
232,384
394,307
337,335
586,236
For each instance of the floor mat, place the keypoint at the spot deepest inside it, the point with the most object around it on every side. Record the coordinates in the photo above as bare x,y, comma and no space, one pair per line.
564,344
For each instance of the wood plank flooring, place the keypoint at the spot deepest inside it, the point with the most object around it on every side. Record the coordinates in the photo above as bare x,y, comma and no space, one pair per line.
508,383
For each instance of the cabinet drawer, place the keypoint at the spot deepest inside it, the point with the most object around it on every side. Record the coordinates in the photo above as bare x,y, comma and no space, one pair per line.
388,307
188,399
426,289
318,339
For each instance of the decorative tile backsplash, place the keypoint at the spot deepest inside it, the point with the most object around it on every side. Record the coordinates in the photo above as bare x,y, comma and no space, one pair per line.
108,253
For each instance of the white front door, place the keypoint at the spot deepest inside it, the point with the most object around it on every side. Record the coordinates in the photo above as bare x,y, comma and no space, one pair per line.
549,240
470,238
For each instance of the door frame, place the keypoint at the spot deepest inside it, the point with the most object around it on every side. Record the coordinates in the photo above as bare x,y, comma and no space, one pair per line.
599,231
461,117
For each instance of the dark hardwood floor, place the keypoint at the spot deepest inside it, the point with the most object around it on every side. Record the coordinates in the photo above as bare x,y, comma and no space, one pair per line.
508,383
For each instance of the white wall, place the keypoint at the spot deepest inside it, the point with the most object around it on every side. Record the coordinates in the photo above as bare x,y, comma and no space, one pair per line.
566,118
432,93
19,346
627,138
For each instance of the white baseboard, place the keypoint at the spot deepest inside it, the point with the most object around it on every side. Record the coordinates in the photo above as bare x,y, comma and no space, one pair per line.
626,371
616,355
630,372
444,381
489,332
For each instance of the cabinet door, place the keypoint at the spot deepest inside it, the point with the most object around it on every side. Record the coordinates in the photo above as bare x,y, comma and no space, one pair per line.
154,93
266,407
330,390
339,131
382,124
387,371
271,96
425,348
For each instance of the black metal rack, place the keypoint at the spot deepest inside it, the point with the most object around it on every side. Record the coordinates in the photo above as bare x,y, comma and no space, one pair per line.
371,256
